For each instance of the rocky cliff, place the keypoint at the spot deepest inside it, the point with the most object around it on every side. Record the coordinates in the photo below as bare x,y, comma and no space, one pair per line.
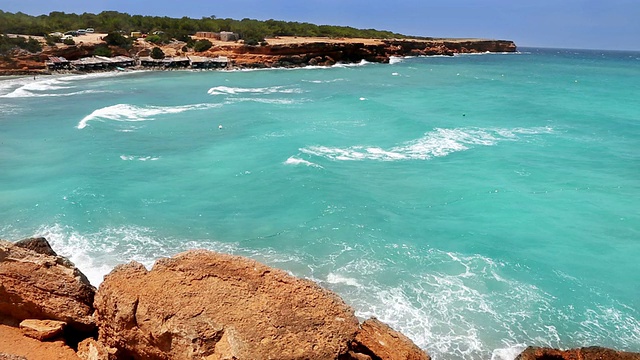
298,53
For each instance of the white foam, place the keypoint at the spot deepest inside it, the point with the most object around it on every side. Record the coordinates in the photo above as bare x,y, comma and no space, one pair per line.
266,101
395,60
509,353
439,142
226,90
323,81
126,112
347,65
296,161
34,88
339,279
139,158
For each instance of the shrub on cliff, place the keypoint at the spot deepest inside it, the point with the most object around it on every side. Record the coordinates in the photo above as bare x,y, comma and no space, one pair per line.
157,53
117,39
202,45
8,43
68,42
102,50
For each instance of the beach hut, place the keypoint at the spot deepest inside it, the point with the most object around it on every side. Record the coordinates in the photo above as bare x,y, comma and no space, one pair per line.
57,63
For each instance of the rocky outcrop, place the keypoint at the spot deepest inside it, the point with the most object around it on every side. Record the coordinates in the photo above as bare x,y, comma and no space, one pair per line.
203,304
328,53
35,285
378,341
585,353
302,53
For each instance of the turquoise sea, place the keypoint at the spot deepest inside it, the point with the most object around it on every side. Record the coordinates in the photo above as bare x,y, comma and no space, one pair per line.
477,203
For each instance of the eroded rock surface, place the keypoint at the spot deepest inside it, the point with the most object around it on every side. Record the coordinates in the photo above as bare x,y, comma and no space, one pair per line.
379,341
34,285
585,353
204,304
42,329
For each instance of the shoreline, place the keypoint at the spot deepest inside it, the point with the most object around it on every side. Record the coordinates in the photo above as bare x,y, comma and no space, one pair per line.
282,52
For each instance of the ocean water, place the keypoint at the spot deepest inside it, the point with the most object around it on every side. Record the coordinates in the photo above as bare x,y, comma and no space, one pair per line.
477,203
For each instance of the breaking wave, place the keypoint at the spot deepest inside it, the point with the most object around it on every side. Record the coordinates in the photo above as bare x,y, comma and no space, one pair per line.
436,143
126,112
226,90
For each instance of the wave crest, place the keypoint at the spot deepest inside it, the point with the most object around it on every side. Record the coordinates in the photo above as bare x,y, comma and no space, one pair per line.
436,143
126,112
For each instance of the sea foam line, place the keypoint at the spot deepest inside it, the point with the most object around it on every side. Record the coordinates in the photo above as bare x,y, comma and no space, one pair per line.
127,112
226,90
436,143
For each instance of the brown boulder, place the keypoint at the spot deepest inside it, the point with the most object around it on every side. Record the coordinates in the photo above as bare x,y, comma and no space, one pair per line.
380,341
204,304
585,353
42,329
38,286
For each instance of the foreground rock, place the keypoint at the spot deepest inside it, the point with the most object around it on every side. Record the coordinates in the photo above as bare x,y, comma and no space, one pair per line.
203,304
42,329
34,284
586,353
379,341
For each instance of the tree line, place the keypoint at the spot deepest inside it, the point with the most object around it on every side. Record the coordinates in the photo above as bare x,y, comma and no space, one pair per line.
178,28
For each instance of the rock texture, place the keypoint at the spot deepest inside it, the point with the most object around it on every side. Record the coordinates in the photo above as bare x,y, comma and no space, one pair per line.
14,345
42,329
203,304
379,341
90,349
34,285
585,353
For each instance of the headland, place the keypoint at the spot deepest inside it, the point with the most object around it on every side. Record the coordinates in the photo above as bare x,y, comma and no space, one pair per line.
274,52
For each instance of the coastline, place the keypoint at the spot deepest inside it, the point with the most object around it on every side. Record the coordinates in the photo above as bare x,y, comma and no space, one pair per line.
280,52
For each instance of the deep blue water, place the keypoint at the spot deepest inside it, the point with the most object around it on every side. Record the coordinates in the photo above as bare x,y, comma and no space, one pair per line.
478,203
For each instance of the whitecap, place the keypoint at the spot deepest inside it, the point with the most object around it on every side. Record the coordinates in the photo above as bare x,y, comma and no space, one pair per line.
436,143
297,161
139,158
226,90
127,112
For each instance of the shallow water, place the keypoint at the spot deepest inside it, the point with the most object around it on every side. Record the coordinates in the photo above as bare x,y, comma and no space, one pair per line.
477,203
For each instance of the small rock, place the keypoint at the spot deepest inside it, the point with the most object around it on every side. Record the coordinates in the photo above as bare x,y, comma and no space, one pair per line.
90,349
42,329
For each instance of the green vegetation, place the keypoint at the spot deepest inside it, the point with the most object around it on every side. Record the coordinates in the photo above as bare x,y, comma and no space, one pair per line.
252,31
116,39
9,43
157,53
102,50
202,45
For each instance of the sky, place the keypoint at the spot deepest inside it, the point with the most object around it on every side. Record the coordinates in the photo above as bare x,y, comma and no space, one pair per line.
577,24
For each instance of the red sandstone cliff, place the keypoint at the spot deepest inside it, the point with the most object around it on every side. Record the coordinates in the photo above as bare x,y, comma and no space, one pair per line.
300,52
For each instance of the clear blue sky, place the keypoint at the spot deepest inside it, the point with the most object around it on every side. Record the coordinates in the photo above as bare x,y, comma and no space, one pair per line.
583,24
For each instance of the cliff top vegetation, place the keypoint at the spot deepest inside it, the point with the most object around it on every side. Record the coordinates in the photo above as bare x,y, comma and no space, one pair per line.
113,21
